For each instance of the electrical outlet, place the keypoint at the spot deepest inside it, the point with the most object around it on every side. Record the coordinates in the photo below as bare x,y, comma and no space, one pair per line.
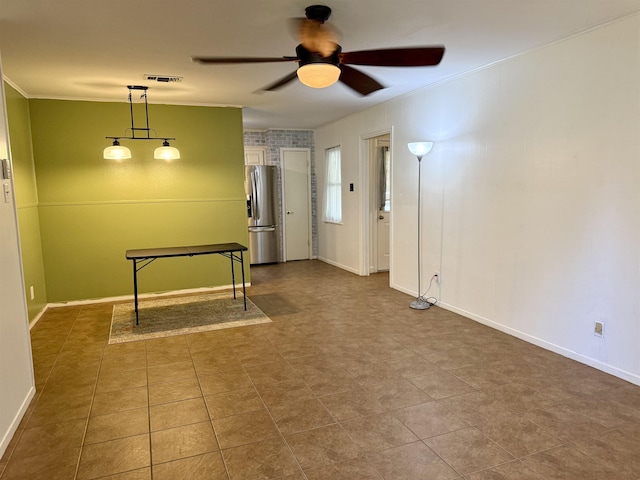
598,329
437,277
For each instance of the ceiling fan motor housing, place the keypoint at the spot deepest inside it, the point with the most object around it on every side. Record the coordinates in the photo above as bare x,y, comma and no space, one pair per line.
320,13
306,57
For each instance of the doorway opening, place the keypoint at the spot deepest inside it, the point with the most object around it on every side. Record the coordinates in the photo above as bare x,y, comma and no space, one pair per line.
380,207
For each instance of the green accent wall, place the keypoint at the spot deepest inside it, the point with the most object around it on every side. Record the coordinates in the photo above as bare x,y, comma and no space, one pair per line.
26,192
92,210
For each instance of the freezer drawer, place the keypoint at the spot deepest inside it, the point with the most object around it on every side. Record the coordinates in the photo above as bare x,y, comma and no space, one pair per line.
264,245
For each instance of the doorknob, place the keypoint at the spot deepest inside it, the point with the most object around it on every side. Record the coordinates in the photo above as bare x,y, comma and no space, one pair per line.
381,217
289,213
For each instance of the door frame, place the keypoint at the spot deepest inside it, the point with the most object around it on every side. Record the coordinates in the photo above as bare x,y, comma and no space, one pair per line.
283,213
369,208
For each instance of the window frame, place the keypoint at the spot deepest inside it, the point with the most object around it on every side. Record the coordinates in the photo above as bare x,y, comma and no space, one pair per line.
332,205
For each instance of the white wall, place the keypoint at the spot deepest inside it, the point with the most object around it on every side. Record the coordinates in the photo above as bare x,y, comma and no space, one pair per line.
531,195
16,371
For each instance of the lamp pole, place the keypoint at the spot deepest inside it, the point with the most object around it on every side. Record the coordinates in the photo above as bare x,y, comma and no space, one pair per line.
419,149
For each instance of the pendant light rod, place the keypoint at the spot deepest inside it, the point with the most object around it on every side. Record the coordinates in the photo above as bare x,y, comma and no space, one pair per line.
146,128
165,152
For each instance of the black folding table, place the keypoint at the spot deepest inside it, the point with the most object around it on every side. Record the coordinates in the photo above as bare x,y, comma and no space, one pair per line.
144,256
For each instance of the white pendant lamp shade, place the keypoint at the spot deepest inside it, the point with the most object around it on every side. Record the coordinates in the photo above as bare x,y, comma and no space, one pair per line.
116,152
318,75
166,152
420,148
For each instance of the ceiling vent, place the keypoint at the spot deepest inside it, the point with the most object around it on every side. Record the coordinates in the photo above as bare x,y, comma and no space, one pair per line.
163,78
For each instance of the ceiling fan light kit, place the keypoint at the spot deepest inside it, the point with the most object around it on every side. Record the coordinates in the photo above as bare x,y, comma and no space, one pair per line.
318,75
322,62
119,152
316,71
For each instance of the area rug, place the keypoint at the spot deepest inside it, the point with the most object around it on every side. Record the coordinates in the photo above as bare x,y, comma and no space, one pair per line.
165,317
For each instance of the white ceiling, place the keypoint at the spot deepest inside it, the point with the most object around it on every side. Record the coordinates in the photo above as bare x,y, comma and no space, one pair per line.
92,49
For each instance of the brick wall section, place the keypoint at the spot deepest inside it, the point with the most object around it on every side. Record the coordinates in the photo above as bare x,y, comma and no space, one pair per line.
274,140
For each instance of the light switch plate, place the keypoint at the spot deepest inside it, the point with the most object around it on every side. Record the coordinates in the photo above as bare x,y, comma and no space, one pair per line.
5,169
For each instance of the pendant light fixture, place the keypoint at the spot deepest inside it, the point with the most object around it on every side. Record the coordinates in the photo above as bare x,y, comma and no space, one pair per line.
118,152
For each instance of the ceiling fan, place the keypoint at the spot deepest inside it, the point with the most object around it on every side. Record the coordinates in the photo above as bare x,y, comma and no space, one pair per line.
322,61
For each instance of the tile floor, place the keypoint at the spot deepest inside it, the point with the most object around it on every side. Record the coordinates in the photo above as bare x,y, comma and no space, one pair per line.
346,383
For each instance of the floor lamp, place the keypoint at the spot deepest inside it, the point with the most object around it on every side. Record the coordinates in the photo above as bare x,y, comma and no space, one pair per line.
419,149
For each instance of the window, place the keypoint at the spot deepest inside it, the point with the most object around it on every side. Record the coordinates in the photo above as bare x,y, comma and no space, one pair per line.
384,193
333,187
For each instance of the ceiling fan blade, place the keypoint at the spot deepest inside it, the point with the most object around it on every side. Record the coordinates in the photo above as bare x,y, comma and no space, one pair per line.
396,57
281,83
237,60
358,81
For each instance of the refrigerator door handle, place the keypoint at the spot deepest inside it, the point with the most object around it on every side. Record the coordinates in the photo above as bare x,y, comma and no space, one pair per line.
254,200
262,229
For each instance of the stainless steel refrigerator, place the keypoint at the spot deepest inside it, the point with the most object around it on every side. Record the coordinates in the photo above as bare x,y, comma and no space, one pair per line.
261,186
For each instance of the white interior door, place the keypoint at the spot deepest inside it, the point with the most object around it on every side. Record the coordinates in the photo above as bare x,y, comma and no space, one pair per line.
297,212
384,240
381,165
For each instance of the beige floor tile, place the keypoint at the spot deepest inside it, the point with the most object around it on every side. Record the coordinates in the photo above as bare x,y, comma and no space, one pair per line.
440,384
564,423
296,416
378,432
139,474
267,459
352,404
181,442
518,436
468,450
185,412
174,391
567,463
114,456
508,471
119,380
244,428
112,426
54,465
414,461
429,419
223,382
52,408
171,371
398,393
355,469
208,466
234,403
50,437
321,446
269,373
119,401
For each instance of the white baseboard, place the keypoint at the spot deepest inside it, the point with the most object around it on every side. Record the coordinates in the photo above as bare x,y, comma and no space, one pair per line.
32,323
578,357
8,435
339,265
124,298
